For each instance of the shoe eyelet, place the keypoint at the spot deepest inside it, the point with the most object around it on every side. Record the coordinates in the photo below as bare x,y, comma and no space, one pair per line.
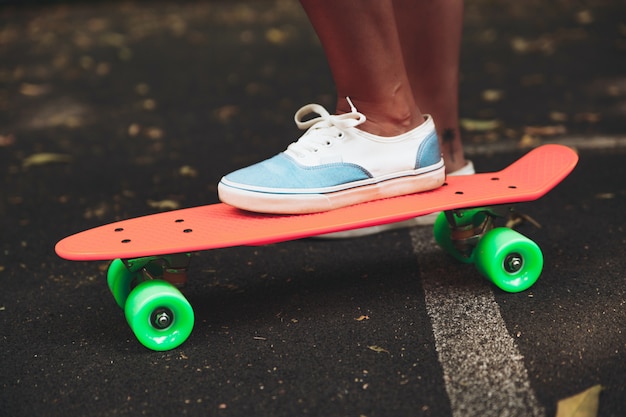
340,135
328,144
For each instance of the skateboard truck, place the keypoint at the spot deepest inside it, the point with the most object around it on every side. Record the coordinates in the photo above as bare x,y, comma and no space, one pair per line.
468,226
170,268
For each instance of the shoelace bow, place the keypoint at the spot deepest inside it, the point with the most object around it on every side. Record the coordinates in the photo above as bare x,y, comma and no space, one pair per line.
336,122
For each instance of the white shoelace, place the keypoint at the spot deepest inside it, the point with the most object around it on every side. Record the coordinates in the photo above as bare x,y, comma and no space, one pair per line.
323,128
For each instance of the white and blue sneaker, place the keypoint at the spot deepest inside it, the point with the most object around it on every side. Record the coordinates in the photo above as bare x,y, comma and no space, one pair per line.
427,220
334,165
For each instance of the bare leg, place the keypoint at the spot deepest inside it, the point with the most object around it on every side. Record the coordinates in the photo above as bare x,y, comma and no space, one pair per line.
430,35
379,50
363,49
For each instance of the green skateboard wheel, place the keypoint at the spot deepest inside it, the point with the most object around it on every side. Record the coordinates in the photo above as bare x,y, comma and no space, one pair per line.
159,315
509,259
120,281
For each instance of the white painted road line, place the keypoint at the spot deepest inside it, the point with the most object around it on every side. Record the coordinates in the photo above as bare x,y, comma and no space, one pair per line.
484,372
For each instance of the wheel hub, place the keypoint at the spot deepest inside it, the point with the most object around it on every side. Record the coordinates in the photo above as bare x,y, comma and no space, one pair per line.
162,318
513,263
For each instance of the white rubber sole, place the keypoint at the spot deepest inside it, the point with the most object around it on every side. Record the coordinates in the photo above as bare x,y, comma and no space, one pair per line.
427,220
260,202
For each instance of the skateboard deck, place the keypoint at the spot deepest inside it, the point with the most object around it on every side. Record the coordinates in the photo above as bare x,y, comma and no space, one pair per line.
151,254
219,225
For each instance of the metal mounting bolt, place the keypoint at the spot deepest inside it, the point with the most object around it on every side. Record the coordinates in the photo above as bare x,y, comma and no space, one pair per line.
162,318
513,263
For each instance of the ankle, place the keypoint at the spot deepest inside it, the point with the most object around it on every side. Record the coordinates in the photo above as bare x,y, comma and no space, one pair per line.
454,164
451,147
384,119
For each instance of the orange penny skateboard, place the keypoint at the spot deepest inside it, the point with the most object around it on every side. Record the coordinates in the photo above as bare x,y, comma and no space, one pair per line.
151,254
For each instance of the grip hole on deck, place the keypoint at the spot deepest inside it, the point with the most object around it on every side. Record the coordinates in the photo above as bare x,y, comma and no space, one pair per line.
512,186
495,179
459,193
119,229
179,220
126,241
187,230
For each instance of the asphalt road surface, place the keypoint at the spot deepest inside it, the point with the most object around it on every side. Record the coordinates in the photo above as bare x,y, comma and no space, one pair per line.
110,110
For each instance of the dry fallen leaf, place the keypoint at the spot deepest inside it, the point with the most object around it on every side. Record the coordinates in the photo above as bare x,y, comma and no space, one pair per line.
134,129
149,104
557,116
587,117
377,349
584,17
154,133
96,212
474,125
584,404
492,95
188,171
103,68
113,39
529,141
553,130
7,140
520,45
361,318
225,113
533,79
164,204
45,158
142,89
125,54
276,36
517,218
34,90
